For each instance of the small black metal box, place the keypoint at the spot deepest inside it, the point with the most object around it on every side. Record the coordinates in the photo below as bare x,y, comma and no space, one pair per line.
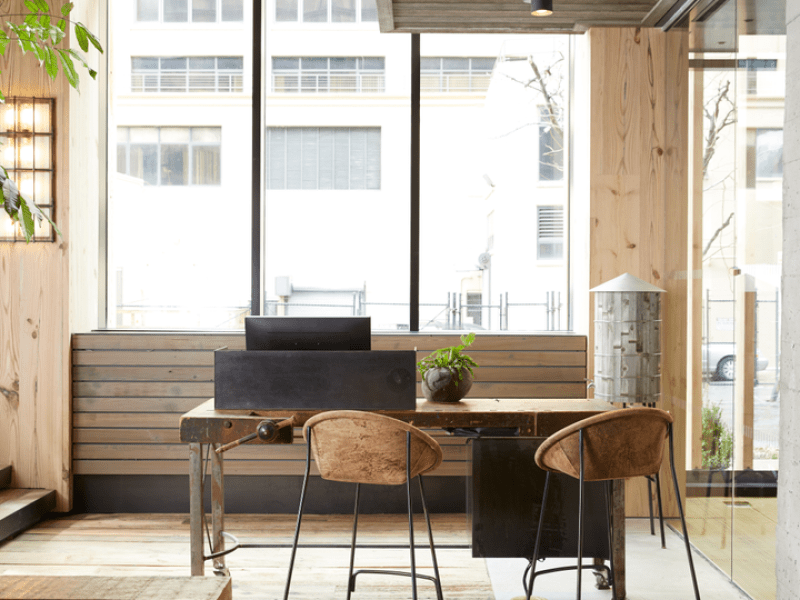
315,380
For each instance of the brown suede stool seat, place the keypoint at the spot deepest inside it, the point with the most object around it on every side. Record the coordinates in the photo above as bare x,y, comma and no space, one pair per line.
617,444
363,447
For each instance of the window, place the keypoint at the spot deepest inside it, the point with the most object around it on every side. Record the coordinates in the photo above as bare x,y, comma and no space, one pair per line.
764,155
169,75
324,158
550,232
551,145
455,75
338,75
474,307
190,11
326,11
170,155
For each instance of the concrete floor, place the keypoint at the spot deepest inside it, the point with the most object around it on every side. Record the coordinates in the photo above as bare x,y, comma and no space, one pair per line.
652,573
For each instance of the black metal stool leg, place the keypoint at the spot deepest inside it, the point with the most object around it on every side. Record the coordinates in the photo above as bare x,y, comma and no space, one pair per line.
529,587
351,580
607,485
660,510
437,581
680,510
650,505
299,518
410,517
580,514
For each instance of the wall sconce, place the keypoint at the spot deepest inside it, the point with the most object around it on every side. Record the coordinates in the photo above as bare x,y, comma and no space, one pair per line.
27,149
541,8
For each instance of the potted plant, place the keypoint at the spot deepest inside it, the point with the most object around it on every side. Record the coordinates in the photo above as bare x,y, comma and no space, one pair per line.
43,32
447,373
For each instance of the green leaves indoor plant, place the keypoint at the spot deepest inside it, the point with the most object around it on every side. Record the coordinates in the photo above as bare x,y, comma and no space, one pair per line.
447,373
43,34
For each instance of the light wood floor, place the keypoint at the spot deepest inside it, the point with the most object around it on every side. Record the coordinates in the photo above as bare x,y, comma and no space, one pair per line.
739,537
158,544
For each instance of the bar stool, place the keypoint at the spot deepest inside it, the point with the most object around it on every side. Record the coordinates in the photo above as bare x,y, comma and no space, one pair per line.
363,447
617,444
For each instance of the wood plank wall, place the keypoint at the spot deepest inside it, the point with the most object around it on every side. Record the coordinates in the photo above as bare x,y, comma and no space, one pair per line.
639,194
129,390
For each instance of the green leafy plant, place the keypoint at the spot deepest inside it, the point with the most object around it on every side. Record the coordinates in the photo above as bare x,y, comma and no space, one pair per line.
717,441
450,358
42,33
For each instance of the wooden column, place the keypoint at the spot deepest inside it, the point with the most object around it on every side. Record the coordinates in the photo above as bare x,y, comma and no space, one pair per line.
638,192
745,372
39,307
34,329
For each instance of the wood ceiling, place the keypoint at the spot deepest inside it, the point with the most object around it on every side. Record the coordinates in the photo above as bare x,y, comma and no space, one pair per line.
513,16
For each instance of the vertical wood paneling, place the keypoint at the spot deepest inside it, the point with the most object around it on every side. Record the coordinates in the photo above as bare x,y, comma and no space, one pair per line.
34,330
638,211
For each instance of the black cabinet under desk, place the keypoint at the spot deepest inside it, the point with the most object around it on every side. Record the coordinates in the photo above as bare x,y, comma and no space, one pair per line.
505,497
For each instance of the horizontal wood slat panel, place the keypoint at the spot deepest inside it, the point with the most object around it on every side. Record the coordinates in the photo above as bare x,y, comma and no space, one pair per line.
99,435
235,341
206,374
154,404
239,467
181,452
130,389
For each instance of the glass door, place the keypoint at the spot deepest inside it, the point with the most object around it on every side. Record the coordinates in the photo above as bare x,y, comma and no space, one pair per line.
737,76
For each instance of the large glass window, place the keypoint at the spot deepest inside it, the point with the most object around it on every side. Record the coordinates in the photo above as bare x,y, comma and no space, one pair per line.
337,177
738,75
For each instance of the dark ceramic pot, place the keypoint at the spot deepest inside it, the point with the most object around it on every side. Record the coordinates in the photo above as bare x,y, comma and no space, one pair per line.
442,385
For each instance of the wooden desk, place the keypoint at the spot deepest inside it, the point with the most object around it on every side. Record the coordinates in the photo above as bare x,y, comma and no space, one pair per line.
534,418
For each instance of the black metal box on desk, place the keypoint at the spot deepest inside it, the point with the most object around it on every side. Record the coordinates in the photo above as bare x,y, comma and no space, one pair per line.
315,380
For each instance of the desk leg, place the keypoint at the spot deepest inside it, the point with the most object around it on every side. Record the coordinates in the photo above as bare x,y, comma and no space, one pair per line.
218,508
618,536
196,507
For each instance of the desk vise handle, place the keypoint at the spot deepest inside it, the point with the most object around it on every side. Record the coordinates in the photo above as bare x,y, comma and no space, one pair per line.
267,430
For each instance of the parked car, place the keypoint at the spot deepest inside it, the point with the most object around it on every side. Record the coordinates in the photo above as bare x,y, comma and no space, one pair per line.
719,359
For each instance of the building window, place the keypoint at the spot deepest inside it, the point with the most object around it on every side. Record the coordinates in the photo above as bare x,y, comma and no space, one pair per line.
474,307
320,75
764,155
326,11
550,232
190,11
455,75
201,74
324,158
752,67
170,155
551,145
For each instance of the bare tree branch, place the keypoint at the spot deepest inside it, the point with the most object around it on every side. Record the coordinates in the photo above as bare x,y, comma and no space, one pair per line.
717,233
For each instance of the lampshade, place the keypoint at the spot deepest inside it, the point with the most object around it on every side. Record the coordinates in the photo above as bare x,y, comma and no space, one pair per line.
541,8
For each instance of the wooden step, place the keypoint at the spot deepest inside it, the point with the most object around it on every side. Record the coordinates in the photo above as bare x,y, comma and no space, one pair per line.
5,477
21,508
44,587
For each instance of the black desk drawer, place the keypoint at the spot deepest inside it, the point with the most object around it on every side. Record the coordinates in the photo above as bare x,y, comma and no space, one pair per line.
505,499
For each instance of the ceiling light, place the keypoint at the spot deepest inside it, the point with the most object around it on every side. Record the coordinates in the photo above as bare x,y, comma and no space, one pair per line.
541,8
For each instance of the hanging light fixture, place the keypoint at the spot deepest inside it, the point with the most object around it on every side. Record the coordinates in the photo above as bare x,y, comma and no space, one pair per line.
541,8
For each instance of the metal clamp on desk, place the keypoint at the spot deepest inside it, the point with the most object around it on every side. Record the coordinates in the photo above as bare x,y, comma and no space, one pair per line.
267,431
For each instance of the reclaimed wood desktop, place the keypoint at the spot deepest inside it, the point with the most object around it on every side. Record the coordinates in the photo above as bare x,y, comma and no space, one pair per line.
532,417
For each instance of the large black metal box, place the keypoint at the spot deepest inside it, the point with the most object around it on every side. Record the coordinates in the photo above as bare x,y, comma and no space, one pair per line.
506,498
315,380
